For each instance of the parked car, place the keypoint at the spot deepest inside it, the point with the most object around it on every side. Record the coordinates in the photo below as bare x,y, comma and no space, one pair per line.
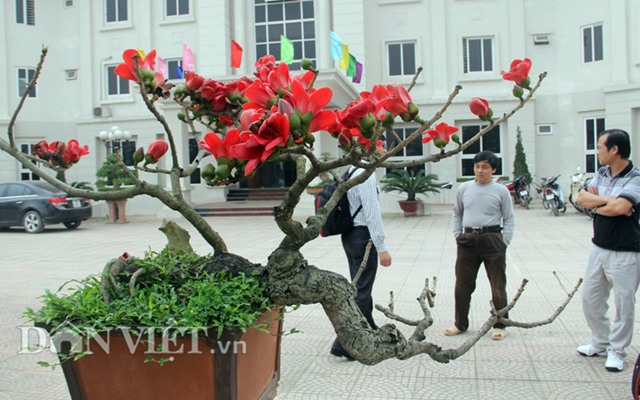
35,204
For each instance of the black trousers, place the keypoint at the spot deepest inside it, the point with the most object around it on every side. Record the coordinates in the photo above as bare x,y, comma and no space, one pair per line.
473,250
355,244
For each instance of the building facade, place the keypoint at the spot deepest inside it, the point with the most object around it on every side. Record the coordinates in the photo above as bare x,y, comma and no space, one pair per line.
590,50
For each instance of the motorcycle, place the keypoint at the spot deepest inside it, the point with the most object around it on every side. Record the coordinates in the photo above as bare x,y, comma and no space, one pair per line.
577,184
553,196
521,190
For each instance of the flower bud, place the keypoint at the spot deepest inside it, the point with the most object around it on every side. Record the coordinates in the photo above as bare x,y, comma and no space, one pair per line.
367,134
208,172
222,171
518,92
310,139
455,138
181,116
138,156
367,122
306,118
526,82
156,150
343,140
413,110
306,64
388,120
294,122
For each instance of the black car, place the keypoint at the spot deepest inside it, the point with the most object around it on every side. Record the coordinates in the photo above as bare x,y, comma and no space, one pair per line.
32,205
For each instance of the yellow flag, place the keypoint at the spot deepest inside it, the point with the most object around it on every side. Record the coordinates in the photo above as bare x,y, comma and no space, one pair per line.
344,63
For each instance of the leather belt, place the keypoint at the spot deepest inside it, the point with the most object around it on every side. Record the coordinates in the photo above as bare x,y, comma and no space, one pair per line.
483,229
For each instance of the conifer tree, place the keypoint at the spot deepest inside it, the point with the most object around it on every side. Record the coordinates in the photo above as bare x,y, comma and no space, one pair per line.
520,166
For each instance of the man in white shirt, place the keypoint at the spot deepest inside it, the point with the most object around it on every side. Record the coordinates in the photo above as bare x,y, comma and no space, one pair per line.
367,225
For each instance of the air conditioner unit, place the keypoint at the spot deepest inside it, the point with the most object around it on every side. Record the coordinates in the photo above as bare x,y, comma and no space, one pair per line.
102,111
541,39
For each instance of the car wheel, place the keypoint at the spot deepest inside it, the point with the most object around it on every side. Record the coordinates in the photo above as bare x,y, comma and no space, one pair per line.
72,224
32,222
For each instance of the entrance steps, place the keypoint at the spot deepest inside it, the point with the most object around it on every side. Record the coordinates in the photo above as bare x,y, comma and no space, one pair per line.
244,202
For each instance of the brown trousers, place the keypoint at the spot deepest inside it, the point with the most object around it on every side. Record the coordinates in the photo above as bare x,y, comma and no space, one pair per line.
473,250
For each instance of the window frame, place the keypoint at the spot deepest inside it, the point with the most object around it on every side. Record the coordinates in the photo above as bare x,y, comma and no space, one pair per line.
465,55
592,50
177,5
29,72
115,97
463,156
117,23
387,51
401,156
24,171
302,41
24,18
592,152
177,60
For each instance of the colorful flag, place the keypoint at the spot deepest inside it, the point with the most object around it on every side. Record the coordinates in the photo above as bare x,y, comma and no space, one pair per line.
344,62
162,67
236,54
286,50
351,69
358,77
179,74
336,46
187,58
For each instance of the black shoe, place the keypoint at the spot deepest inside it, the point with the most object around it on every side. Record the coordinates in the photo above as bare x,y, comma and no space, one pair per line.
341,353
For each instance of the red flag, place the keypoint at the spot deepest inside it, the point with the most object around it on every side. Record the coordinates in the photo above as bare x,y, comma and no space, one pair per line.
236,54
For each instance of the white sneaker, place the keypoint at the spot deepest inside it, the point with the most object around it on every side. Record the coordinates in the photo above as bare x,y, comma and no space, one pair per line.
588,350
615,361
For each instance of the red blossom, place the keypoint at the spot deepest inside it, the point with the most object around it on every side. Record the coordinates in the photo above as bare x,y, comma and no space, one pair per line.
128,69
265,65
74,152
193,80
356,110
257,147
314,102
259,94
479,107
156,150
398,101
219,147
519,72
442,131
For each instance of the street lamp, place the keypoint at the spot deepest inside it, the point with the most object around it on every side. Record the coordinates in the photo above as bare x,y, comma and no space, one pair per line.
113,139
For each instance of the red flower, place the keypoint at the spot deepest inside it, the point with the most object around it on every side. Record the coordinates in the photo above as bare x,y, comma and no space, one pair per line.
519,72
226,120
356,110
193,81
215,93
219,147
314,102
41,150
398,101
264,66
74,152
257,147
128,69
378,96
480,107
259,94
156,150
440,134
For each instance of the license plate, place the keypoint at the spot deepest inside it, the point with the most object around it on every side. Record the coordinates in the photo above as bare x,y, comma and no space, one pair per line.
549,197
75,203
523,193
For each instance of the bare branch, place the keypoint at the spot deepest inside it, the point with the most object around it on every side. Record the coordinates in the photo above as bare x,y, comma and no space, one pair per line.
363,265
415,78
31,85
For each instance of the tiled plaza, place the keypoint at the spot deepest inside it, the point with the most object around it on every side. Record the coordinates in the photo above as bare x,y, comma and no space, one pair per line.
539,363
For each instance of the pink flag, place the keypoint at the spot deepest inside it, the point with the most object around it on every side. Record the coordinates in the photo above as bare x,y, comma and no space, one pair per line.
187,58
161,67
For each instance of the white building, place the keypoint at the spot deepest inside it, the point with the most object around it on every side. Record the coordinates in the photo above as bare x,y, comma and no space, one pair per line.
590,49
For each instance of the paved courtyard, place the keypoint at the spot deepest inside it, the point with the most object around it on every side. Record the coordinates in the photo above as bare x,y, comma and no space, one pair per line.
539,363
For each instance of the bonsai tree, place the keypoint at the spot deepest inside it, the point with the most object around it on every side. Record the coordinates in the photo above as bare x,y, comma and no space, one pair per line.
410,183
276,116
520,167
114,174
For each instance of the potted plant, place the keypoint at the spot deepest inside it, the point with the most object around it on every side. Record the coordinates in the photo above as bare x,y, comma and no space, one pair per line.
411,184
114,175
252,121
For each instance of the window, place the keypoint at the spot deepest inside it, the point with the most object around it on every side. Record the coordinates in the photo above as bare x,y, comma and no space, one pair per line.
293,19
193,153
414,150
177,7
68,3
592,128
116,85
592,43
127,148
174,68
545,130
116,10
489,141
477,54
24,77
25,11
402,58
25,173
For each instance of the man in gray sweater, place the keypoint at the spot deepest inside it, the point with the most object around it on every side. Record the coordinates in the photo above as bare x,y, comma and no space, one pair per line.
483,227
